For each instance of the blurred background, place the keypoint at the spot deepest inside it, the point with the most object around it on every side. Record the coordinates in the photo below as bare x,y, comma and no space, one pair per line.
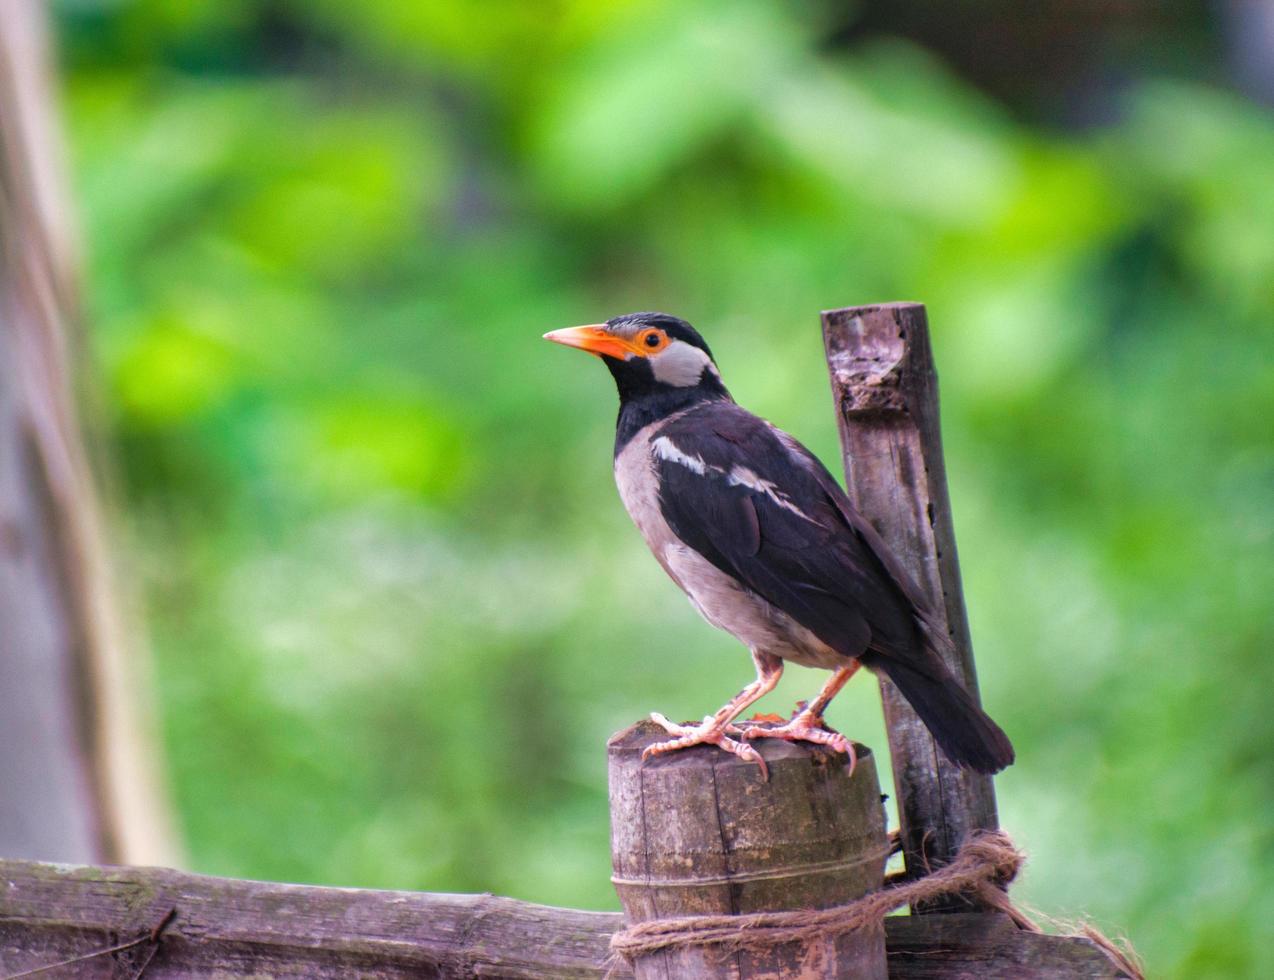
367,518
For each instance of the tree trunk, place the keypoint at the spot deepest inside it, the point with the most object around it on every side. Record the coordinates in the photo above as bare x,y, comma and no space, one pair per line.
76,782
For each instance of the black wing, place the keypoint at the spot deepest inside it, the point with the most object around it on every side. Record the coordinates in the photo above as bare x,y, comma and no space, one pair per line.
761,508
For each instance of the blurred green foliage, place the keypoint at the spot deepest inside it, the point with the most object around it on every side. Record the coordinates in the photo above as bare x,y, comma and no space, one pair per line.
395,603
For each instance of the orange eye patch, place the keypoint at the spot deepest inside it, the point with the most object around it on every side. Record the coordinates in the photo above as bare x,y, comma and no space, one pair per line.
652,341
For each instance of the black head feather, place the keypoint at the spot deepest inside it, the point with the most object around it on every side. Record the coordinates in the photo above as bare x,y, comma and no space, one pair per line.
674,327
642,397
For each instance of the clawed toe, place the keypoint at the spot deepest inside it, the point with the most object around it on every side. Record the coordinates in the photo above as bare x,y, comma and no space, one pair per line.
708,733
803,728
672,728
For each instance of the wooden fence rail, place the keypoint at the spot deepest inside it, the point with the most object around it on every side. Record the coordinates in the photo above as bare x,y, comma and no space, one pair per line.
230,929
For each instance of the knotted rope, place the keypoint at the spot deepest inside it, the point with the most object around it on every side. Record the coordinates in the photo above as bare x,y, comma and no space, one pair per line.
982,869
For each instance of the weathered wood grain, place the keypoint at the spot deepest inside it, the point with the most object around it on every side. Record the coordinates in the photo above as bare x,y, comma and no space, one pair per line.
701,832
988,946
249,930
226,928
886,393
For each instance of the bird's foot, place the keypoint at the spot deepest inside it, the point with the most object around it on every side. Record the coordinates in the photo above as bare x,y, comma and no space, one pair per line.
711,732
805,727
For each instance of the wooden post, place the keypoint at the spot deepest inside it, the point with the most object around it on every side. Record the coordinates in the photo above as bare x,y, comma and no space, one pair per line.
700,832
886,393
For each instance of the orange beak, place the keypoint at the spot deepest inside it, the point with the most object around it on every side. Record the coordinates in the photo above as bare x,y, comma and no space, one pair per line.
595,339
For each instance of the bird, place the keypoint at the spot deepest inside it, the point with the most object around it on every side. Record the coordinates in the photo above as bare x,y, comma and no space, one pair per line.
767,546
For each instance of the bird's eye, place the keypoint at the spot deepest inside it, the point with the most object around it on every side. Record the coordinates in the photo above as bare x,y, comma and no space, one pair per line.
652,339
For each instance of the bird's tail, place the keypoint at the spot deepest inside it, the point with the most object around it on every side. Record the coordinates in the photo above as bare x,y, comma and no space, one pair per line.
962,730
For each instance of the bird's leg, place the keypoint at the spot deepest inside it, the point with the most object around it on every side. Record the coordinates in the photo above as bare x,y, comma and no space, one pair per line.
807,725
716,729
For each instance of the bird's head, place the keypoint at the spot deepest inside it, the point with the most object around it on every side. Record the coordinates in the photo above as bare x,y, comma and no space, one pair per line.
650,355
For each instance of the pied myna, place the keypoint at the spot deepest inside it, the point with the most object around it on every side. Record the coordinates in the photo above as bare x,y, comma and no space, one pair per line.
768,548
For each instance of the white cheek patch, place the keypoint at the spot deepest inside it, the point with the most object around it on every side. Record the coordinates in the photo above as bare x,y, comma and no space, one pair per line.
680,364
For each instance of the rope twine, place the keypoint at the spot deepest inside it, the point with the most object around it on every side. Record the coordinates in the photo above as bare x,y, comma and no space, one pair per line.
982,870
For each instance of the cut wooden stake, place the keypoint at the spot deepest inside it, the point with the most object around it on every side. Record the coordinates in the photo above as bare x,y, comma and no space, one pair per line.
700,832
886,393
